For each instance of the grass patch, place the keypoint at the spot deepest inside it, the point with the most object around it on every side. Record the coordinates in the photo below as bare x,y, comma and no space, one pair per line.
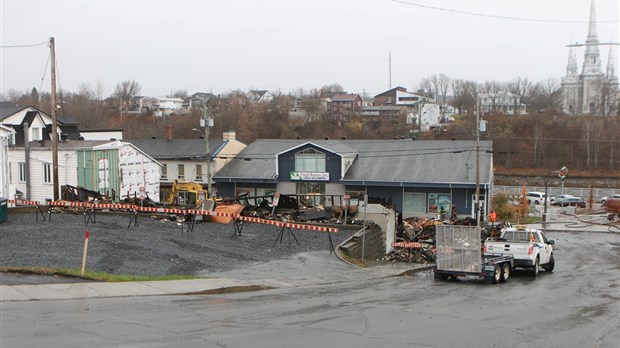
91,275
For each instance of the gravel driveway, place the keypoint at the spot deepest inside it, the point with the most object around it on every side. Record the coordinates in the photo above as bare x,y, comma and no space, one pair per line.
153,247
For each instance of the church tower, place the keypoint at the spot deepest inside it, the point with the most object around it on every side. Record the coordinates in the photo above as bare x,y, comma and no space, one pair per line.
592,58
591,91
571,85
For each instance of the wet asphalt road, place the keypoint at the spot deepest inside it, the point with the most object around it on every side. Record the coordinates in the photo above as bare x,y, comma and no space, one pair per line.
578,305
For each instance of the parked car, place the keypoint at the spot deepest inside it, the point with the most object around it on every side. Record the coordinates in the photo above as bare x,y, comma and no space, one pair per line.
614,196
559,198
535,197
571,201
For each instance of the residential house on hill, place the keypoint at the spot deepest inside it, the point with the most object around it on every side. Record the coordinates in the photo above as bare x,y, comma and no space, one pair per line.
200,100
502,101
259,96
418,108
165,106
344,106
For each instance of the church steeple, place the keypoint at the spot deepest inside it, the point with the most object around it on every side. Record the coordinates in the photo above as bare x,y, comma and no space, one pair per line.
611,68
571,68
592,59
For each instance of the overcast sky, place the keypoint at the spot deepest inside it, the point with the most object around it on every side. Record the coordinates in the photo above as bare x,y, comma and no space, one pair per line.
222,45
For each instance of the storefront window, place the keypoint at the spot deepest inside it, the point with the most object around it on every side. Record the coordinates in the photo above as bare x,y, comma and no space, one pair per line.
436,201
414,203
311,193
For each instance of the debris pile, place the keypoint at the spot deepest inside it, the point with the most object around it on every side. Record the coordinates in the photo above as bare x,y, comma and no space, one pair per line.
415,239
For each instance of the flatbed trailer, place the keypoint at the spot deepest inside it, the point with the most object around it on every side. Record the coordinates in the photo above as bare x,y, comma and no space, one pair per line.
459,254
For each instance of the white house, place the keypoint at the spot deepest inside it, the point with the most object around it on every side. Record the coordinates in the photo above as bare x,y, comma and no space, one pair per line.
7,139
112,168
164,106
502,101
427,116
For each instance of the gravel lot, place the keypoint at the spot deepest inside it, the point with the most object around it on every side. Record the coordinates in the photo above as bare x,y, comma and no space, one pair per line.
153,247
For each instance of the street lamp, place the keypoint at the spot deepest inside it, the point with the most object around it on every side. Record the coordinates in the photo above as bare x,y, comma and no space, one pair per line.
206,123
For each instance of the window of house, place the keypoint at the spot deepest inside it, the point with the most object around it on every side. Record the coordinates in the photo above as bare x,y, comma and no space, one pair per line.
22,171
164,172
181,171
47,173
310,160
199,172
35,133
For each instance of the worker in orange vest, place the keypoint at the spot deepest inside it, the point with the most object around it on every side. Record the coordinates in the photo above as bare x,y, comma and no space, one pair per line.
492,218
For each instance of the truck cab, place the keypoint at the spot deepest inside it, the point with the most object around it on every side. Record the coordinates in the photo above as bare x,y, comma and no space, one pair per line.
530,247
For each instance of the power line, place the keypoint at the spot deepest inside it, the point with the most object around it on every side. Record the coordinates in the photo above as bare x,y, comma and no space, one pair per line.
477,14
45,70
25,46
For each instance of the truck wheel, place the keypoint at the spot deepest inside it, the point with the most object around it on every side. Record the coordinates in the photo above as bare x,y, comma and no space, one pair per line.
505,272
536,267
497,274
549,267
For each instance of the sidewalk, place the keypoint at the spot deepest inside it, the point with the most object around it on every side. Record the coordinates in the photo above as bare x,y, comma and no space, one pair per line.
68,291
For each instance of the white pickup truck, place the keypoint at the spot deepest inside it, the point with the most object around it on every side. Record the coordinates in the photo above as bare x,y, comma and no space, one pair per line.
529,247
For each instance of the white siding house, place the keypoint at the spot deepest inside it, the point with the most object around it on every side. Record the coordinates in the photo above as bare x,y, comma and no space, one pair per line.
125,169
6,140
36,182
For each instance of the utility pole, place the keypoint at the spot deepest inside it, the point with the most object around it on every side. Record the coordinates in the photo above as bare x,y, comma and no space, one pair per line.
54,120
478,160
207,122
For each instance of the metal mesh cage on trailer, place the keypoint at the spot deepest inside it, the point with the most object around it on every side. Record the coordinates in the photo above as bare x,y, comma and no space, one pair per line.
458,248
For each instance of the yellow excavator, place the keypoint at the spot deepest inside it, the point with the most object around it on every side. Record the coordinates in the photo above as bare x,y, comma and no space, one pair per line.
192,195
185,193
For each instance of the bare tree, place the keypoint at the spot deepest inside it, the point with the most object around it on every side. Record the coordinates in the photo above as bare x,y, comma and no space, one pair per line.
546,95
99,91
312,105
333,88
522,88
464,93
610,97
491,91
127,90
438,85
